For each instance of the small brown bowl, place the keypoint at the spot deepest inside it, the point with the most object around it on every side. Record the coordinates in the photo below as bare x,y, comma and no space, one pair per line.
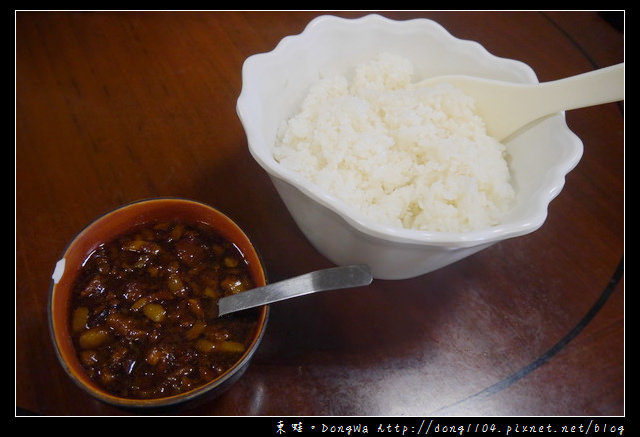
108,227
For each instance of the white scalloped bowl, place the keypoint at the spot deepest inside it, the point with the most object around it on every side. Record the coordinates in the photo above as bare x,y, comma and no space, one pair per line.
275,83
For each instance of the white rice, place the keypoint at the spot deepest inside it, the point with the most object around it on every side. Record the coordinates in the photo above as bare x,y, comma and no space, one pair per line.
415,158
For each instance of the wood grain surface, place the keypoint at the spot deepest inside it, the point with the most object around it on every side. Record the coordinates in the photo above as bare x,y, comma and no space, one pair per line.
113,107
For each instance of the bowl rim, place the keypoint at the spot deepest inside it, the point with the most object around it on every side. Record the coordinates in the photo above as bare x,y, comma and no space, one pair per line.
358,220
84,382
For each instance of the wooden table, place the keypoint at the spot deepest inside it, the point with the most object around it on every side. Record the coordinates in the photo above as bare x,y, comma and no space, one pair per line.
113,107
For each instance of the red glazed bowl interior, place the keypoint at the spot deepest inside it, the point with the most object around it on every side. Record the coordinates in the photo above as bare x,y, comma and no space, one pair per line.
106,228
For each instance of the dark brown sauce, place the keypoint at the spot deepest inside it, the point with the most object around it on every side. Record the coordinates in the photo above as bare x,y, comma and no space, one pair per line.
144,306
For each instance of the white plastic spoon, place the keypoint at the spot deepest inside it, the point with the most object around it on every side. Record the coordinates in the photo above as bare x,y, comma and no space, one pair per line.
506,107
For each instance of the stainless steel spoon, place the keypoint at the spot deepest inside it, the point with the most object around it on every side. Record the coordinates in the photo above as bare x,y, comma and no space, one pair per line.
320,280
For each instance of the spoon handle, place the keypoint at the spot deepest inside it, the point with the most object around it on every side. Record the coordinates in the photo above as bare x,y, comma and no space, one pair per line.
320,280
596,87
507,110
506,107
